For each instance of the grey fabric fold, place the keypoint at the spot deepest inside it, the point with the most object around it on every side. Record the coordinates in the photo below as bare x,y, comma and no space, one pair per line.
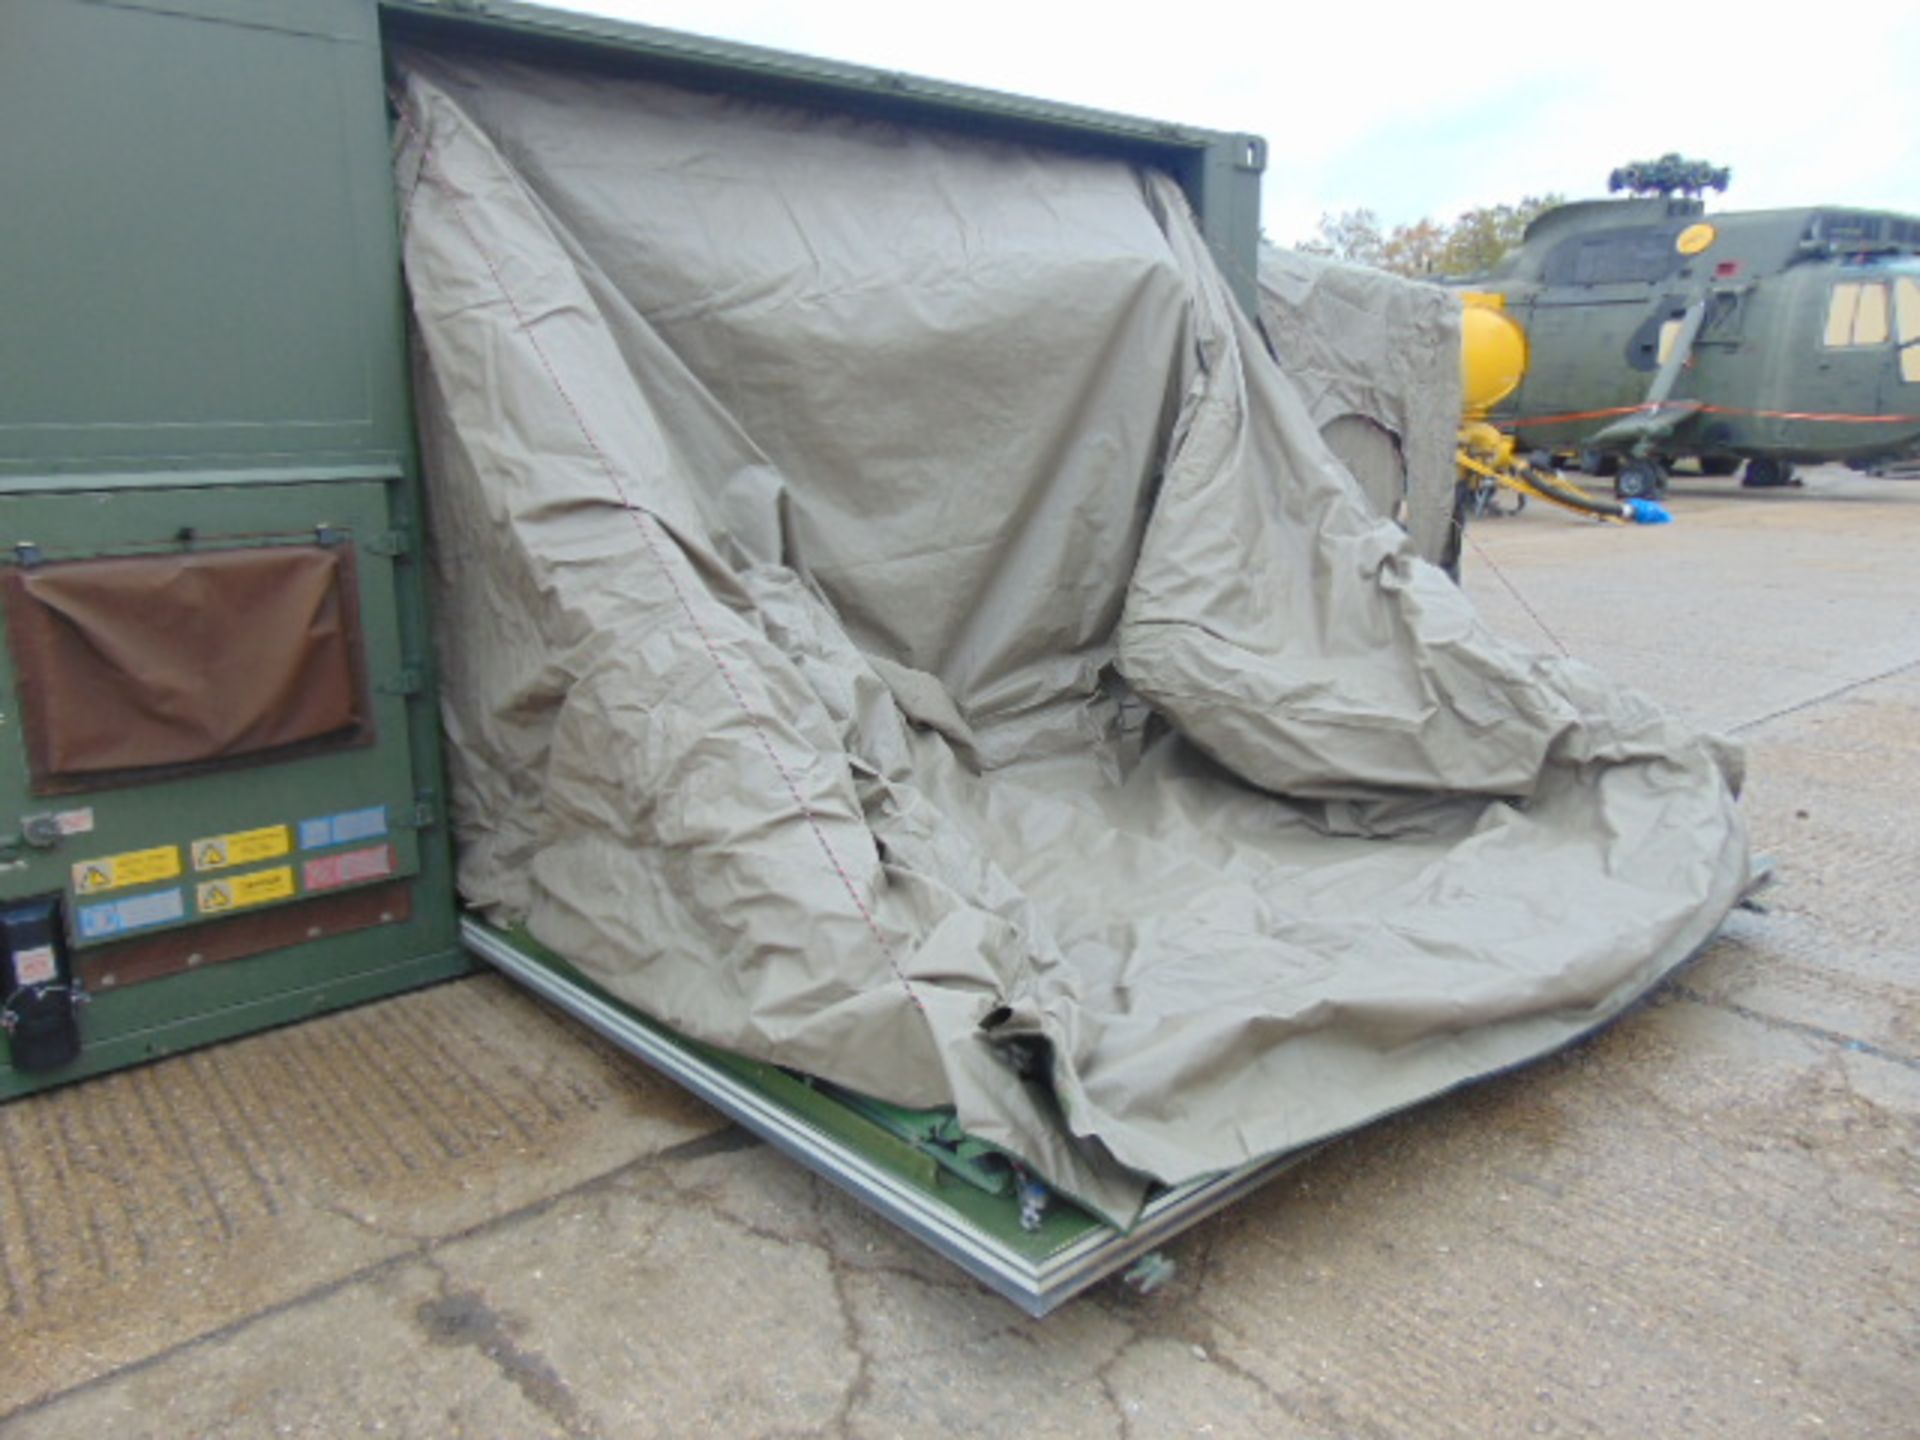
898,621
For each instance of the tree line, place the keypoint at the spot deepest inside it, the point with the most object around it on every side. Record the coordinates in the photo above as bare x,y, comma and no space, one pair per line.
1469,245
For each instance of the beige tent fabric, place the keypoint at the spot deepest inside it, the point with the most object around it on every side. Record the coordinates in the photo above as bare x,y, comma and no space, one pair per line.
1376,360
899,622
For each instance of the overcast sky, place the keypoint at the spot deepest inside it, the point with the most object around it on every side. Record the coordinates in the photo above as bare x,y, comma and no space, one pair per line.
1426,110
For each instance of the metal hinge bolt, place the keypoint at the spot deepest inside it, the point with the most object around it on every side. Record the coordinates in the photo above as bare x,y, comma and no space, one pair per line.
1149,1273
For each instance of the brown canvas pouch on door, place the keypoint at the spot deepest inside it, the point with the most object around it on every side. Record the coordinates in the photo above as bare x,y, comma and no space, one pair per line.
138,667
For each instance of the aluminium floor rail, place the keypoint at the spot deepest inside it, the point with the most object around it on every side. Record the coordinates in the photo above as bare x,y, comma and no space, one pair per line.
1037,1283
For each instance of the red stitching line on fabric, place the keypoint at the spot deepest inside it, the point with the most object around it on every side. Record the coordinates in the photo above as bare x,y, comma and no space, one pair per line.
643,522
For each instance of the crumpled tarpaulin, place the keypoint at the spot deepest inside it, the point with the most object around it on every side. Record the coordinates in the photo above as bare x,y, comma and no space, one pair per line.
898,621
1376,360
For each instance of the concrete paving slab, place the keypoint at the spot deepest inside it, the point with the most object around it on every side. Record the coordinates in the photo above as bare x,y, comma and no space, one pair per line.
666,1313
396,1354
1752,601
157,1204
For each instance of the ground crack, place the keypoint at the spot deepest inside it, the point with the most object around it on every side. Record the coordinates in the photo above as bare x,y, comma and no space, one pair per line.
860,1387
1103,1377
1795,1027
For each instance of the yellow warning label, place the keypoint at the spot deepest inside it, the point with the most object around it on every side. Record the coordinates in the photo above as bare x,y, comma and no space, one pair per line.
130,867
241,891
243,847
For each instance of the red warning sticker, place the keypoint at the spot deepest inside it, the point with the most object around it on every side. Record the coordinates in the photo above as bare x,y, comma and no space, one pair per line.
351,867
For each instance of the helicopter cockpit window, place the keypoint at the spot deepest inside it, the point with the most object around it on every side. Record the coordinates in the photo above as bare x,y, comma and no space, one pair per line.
1857,315
1906,314
1870,321
1841,308
1632,255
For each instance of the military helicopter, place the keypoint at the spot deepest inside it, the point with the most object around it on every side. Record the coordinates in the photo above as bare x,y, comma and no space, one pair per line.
1656,332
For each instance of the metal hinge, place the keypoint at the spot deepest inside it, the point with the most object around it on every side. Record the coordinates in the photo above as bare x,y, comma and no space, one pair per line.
409,681
423,816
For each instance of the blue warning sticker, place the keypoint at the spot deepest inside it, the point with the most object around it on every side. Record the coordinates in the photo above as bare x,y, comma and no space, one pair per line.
343,829
136,912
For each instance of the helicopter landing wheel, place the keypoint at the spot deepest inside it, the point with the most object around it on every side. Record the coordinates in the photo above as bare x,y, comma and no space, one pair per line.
1639,480
1764,474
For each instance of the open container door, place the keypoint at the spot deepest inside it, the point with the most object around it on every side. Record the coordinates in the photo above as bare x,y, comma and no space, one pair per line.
219,756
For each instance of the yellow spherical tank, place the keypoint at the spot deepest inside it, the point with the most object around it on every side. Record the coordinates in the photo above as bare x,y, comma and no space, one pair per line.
1493,353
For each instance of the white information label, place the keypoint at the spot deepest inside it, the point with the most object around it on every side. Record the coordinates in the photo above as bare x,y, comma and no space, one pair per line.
35,966
75,822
